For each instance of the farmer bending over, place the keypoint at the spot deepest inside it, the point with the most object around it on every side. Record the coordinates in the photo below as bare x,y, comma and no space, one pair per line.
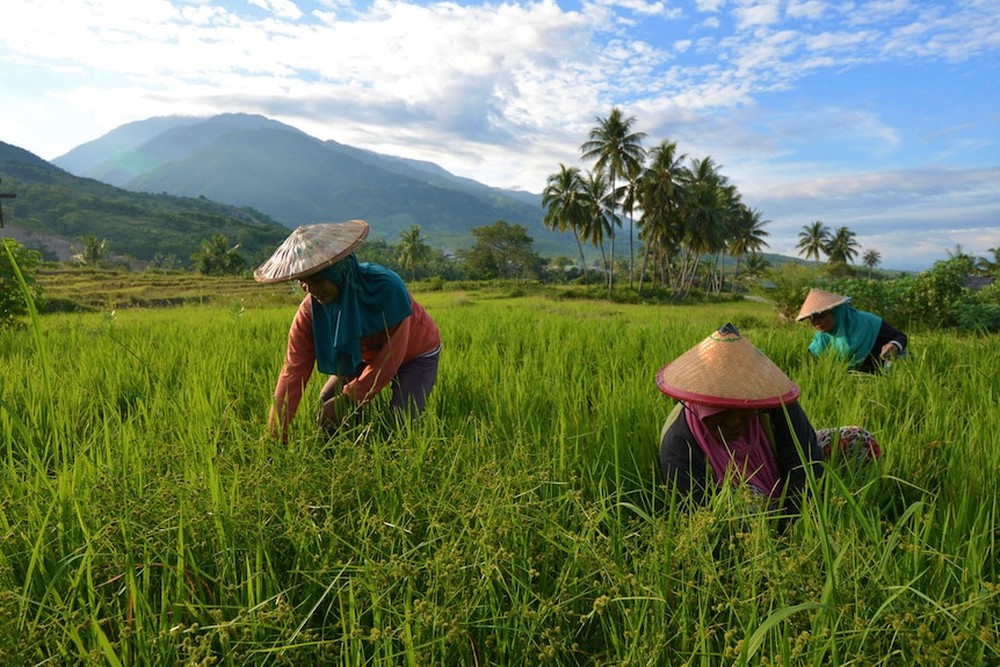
357,323
731,424
865,341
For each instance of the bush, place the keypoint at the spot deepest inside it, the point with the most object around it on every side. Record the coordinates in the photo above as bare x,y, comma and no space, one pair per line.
889,299
981,317
791,284
939,294
14,257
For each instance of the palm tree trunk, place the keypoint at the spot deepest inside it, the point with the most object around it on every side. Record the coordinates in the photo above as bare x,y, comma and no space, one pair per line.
583,262
642,272
631,253
611,269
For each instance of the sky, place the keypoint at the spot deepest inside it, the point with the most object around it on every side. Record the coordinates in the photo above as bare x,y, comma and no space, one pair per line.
881,116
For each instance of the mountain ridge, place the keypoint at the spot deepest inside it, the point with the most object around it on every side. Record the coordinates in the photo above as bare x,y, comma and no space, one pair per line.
250,160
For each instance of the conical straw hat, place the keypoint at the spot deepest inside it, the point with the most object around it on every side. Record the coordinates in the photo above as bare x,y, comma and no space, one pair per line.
819,301
311,248
726,370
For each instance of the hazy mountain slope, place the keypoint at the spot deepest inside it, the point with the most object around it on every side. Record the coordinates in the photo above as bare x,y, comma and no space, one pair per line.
54,208
295,178
110,159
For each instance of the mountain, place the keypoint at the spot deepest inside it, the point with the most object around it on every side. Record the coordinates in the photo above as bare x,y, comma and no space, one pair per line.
250,160
53,209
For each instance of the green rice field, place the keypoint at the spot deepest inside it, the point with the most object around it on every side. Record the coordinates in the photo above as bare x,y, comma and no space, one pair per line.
148,519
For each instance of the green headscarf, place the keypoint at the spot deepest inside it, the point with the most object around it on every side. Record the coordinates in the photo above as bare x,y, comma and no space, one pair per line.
372,299
852,336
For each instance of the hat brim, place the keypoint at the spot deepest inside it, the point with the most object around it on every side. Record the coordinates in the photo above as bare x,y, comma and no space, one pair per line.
726,370
819,301
312,248
726,402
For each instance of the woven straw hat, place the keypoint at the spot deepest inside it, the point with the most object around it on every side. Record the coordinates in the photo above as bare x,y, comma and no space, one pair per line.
726,370
820,301
311,248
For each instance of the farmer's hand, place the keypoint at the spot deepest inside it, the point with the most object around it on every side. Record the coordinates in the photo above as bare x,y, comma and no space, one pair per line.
889,351
334,412
275,428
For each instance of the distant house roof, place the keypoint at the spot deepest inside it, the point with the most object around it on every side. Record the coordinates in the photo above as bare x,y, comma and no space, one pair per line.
978,282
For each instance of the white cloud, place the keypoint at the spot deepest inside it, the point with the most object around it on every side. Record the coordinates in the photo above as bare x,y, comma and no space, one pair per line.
505,91
753,13
807,9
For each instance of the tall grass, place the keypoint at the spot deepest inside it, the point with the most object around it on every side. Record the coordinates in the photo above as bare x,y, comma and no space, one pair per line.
148,519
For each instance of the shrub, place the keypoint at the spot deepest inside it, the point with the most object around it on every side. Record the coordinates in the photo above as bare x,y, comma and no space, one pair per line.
791,284
13,258
939,294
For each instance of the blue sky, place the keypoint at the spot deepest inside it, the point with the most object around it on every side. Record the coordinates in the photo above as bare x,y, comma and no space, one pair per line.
880,116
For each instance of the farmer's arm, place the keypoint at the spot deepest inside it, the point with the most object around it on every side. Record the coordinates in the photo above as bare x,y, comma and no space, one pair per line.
384,364
300,357
890,341
682,463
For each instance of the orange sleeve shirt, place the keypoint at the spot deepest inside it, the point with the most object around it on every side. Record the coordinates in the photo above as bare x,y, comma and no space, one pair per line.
383,354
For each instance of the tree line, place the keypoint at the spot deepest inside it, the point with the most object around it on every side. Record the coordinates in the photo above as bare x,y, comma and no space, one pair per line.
688,216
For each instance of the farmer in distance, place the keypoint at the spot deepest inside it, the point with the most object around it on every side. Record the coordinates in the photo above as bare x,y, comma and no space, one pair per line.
358,323
730,424
865,341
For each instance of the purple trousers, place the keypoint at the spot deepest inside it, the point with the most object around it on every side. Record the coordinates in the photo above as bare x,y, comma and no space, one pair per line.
410,387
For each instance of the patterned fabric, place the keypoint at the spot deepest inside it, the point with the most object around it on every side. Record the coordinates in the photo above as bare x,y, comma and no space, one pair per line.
853,442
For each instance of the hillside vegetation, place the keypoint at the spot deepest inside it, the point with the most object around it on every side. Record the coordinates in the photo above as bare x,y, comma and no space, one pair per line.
54,209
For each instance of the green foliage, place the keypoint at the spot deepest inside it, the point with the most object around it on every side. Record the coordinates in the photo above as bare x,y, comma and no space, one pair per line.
137,225
92,252
216,258
502,251
790,283
938,293
13,258
889,299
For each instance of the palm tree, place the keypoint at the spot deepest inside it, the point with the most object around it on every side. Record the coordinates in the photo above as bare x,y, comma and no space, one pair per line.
813,239
600,219
986,265
565,204
659,195
708,203
628,206
619,155
93,252
842,246
871,258
216,258
748,236
756,265
412,250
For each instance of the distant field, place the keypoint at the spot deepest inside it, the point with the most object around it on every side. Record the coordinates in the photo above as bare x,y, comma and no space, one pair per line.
77,288
148,519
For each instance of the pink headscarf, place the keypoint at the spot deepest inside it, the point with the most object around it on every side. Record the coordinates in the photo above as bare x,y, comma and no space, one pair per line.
749,454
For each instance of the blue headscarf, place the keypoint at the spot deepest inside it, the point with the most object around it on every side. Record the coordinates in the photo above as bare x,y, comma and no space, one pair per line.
852,336
372,299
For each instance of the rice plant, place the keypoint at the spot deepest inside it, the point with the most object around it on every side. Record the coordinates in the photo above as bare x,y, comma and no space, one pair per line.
149,519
